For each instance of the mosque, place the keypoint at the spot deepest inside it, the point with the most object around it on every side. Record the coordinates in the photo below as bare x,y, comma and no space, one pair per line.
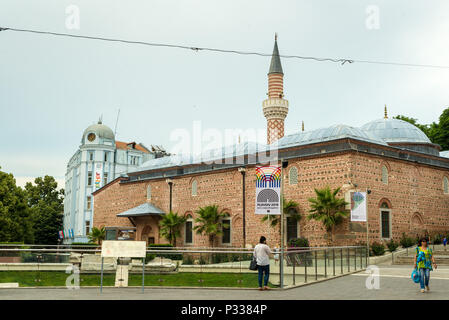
406,174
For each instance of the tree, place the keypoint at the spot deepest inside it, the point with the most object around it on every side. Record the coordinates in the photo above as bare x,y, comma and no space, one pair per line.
15,220
170,226
437,132
328,208
289,207
210,222
46,206
441,131
97,235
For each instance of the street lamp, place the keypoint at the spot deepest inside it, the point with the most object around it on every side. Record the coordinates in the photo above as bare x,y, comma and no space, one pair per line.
170,183
242,170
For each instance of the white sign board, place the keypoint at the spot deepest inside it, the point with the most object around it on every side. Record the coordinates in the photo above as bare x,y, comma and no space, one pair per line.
123,249
268,190
358,206
98,175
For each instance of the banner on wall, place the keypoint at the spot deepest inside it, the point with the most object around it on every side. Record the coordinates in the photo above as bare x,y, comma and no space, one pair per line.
98,175
358,206
268,190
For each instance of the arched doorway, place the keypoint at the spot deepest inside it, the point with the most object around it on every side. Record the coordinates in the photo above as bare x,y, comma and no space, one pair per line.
147,235
417,226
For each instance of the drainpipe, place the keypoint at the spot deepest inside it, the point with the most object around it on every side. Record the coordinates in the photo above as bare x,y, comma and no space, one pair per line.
170,184
242,170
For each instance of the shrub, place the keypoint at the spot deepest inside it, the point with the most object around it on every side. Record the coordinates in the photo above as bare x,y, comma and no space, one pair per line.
172,256
187,259
149,257
437,239
377,249
406,242
299,242
392,245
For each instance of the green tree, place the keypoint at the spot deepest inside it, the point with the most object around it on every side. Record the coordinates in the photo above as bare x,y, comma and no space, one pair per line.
289,207
46,206
440,132
15,221
437,132
210,222
170,226
97,235
328,208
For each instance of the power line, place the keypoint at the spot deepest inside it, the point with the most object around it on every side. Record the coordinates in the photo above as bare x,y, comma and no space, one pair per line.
335,60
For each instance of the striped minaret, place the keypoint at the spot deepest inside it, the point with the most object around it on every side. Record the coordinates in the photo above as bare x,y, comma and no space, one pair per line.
275,108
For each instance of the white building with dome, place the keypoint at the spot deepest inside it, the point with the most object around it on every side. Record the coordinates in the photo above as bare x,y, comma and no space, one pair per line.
99,160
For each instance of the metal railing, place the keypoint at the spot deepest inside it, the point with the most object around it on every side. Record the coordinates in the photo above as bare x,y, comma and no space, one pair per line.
181,266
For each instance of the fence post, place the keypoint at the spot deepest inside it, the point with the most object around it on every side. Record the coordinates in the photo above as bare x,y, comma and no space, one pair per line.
349,262
355,258
294,264
143,274
316,267
341,260
333,261
325,263
101,283
306,260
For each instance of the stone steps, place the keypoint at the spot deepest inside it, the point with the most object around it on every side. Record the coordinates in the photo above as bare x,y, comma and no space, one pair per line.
440,260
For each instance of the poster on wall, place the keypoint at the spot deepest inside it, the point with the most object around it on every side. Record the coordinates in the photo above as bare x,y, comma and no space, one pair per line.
268,190
358,206
98,175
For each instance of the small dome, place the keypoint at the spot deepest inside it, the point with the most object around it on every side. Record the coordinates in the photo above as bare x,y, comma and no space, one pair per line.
395,130
100,130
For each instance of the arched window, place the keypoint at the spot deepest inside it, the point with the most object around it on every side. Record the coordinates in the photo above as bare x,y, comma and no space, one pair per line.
188,230
293,175
445,185
149,192
385,221
194,188
384,174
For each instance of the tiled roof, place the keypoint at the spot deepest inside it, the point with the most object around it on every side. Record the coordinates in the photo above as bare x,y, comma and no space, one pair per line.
142,210
128,146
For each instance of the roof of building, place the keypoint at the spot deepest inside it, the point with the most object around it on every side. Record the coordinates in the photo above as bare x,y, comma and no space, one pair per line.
334,132
395,130
444,154
275,66
208,155
100,130
131,146
142,210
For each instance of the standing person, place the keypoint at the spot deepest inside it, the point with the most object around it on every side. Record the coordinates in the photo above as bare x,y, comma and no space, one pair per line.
444,242
423,261
262,254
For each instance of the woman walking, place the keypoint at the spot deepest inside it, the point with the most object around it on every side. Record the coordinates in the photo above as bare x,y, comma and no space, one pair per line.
262,255
423,261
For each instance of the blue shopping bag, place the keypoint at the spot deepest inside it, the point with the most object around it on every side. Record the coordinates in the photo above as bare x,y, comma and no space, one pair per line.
415,276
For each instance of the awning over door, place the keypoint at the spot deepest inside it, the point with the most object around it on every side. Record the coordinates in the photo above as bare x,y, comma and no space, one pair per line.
144,209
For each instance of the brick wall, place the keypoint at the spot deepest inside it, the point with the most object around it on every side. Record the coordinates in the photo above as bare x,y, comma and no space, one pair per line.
414,193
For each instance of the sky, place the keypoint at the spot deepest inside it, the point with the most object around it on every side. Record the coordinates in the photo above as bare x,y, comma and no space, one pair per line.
52,88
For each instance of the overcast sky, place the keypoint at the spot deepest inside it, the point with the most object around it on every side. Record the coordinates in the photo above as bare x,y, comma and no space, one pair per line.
52,88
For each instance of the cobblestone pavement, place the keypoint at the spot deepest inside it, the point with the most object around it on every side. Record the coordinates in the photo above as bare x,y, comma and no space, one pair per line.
395,283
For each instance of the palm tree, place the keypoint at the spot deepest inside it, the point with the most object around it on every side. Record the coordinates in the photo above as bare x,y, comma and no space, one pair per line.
97,235
329,209
289,207
209,222
170,226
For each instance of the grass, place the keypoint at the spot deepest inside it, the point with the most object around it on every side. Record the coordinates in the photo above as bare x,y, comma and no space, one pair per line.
184,279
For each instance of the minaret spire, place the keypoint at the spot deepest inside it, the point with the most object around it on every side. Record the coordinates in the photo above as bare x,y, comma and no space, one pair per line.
385,112
275,108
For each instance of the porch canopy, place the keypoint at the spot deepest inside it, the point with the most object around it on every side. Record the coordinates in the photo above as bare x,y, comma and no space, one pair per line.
145,209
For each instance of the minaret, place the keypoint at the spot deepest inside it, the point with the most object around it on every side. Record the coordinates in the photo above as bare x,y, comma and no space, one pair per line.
275,108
